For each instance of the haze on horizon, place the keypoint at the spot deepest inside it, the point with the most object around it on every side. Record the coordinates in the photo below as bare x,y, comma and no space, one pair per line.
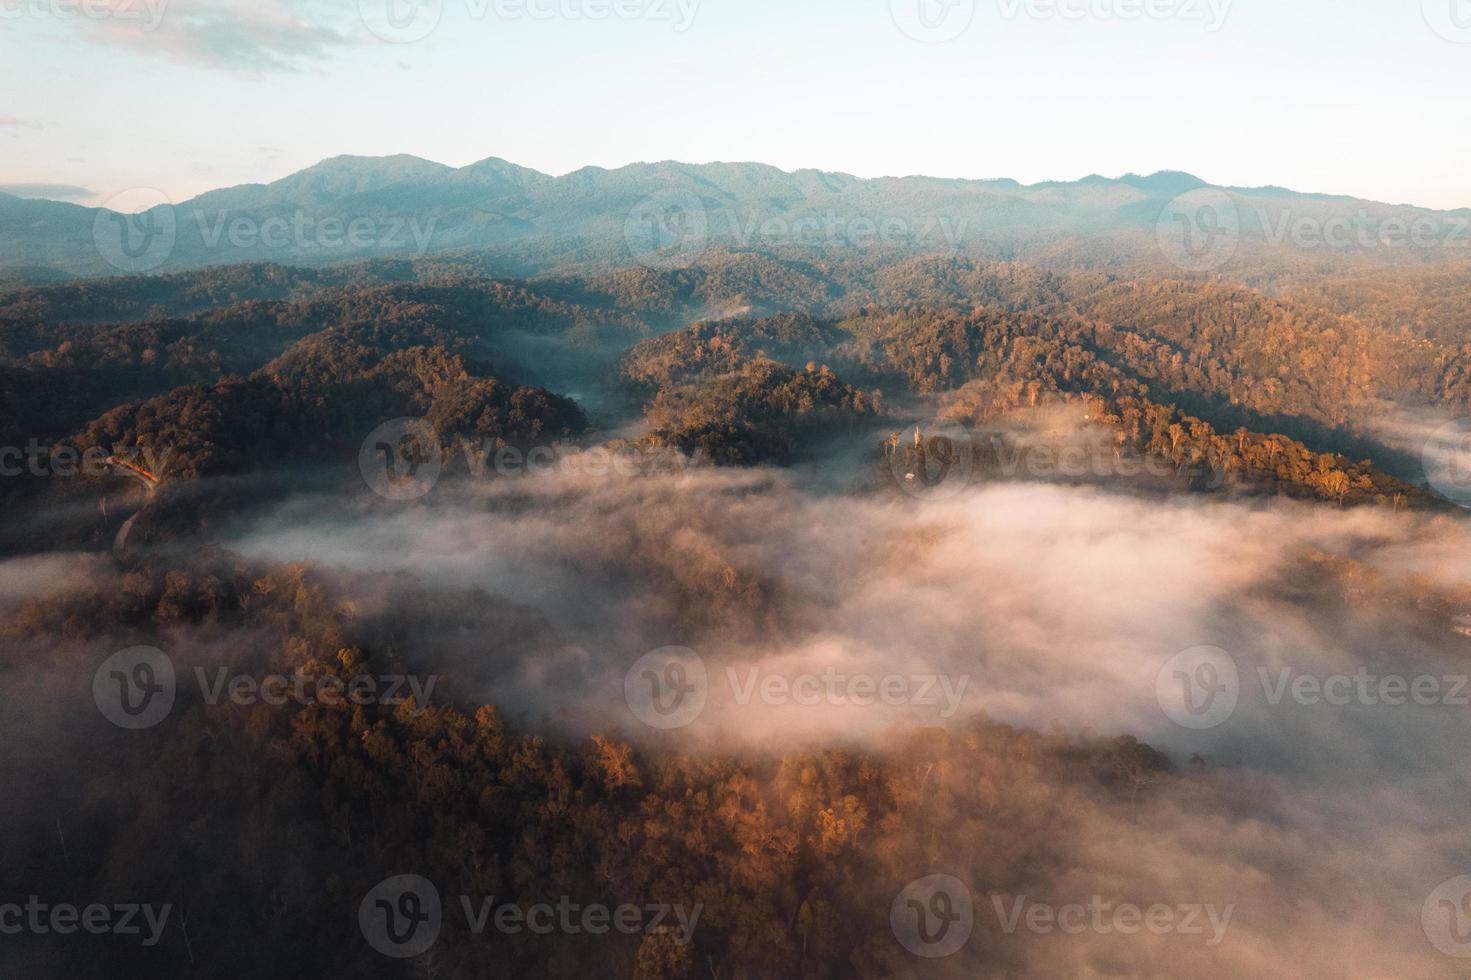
211,94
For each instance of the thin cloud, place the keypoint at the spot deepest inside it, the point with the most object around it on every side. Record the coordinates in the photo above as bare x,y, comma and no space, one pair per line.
268,36
539,594
55,192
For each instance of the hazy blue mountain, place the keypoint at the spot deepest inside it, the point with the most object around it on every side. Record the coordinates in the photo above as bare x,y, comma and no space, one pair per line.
331,181
349,208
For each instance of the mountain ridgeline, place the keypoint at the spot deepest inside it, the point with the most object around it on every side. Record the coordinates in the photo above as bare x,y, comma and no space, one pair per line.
526,222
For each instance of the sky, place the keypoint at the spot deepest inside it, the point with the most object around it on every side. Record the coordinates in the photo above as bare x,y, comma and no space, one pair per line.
1361,97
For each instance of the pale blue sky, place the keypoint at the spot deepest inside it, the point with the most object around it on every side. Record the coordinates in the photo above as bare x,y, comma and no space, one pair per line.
1349,96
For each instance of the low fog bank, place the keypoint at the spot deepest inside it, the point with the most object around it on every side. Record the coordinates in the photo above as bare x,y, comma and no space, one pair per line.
1325,825
1321,827
1058,608
1434,443
38,576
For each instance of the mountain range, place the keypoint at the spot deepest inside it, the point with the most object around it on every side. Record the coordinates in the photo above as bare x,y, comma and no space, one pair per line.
349,208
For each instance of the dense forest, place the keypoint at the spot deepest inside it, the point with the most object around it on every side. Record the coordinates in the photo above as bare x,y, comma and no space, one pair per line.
782,380
246,369
262,825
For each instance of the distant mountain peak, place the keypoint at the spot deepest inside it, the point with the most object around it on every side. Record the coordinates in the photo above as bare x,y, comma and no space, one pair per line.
1165,183
374,171
331,179
394,161
498,165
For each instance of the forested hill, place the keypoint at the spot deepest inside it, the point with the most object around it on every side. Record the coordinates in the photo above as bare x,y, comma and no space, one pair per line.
741,359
